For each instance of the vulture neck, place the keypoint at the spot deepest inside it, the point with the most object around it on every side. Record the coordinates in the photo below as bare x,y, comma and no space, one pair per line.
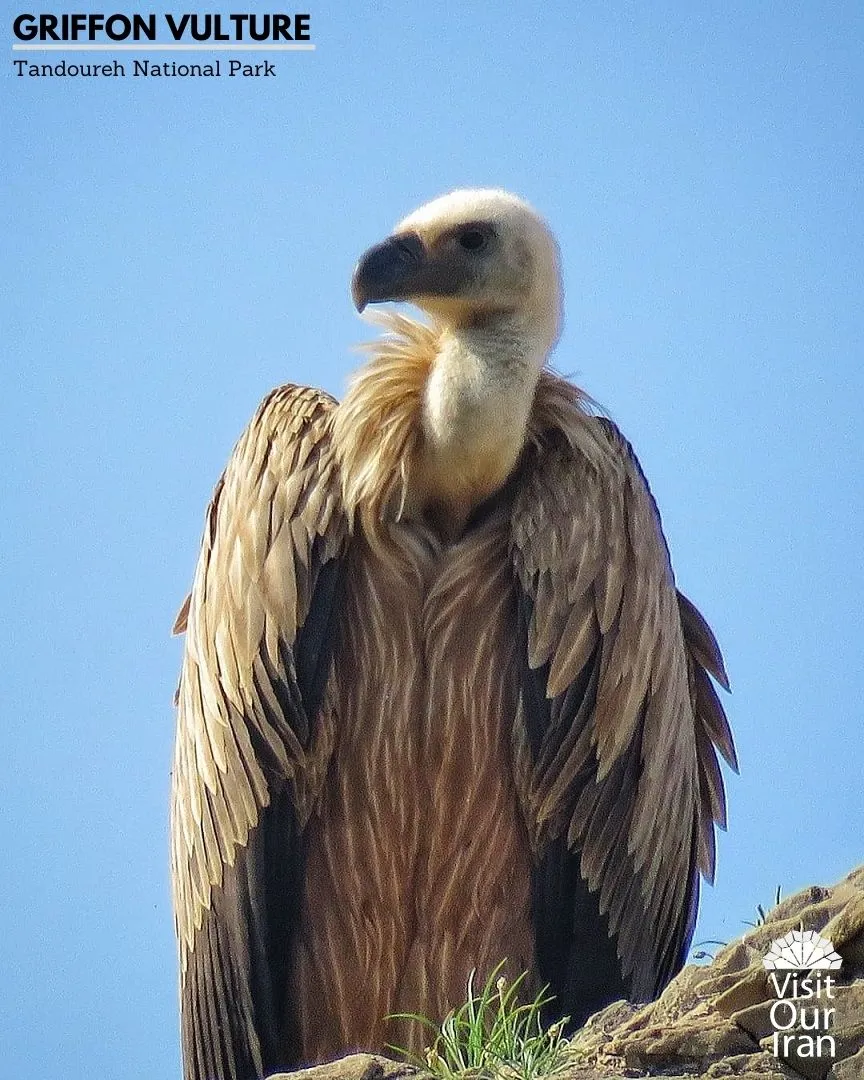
476,404
435,422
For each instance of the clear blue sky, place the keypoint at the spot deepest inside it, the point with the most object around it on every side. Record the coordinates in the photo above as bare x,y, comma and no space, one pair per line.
174,249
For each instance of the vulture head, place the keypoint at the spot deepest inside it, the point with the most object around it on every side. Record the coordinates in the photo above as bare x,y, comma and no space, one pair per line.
434,425
476,260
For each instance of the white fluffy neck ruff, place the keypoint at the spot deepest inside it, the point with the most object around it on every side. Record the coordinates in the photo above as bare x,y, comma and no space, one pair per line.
477,402
481,386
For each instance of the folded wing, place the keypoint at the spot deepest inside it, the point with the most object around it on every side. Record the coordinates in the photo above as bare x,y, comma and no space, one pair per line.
620,724
259,623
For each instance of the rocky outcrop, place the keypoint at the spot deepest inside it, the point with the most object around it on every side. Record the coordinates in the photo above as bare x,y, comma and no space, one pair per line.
715,1021
353,1067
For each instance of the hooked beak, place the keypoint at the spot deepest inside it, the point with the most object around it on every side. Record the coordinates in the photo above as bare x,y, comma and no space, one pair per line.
391,270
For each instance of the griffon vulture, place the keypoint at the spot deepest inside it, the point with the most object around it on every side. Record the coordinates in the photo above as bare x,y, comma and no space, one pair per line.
441,704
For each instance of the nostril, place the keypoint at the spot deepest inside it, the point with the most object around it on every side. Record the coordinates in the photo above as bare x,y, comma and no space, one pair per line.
409,246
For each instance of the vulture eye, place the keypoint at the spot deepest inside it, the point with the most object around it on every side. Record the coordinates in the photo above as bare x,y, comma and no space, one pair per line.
473,239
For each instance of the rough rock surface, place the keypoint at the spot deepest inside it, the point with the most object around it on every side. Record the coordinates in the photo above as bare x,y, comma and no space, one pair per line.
353,1067
712,1021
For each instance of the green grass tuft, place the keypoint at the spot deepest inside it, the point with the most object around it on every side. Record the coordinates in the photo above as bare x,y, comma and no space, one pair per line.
492,1035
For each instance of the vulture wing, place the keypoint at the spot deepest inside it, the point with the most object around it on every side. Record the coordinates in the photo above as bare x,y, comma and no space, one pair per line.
258,627
620,724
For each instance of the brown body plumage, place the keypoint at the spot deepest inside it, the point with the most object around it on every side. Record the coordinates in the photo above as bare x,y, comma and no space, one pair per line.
441,703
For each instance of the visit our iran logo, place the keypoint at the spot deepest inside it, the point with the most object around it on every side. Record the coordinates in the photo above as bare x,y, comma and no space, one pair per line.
801,950
802,1015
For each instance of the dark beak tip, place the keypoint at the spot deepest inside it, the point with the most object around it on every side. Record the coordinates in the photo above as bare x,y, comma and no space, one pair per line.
358,291
386,270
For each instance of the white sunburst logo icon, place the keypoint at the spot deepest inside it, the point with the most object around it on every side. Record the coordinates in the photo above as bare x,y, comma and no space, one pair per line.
801,950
